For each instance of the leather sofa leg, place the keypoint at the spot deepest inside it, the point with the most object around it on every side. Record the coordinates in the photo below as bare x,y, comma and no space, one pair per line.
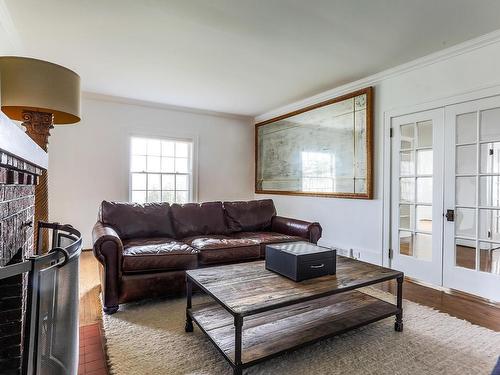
109,310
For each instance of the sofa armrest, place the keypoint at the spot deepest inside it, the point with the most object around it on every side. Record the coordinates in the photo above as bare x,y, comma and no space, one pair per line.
293,227
108,249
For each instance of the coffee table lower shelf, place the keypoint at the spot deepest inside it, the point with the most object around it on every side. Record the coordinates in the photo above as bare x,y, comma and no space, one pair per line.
277,331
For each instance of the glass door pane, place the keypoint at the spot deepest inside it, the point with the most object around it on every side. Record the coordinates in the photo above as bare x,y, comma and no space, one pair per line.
477,190
415,188
417,192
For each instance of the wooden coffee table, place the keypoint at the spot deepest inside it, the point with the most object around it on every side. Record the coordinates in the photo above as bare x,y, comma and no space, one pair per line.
255,314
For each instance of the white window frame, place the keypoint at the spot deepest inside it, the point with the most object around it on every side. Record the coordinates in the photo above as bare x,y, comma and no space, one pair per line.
193,139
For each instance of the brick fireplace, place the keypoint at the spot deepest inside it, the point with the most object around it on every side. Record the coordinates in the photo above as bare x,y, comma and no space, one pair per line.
21,162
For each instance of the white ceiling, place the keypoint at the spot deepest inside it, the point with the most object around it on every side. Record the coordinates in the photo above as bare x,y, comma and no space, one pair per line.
237,56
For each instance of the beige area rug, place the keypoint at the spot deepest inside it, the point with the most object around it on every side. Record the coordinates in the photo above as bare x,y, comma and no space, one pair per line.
149,338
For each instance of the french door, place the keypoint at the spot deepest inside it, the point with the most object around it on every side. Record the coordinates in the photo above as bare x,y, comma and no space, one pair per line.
445,196
472,186
417,195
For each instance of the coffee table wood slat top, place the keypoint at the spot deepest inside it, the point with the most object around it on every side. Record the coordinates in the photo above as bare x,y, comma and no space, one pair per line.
248,288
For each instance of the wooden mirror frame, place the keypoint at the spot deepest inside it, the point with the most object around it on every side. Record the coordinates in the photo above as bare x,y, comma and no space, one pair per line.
369,147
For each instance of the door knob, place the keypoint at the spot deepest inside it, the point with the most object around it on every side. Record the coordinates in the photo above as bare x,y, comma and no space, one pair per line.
450,215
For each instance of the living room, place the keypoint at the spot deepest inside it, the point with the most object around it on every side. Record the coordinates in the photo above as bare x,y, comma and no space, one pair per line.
249,187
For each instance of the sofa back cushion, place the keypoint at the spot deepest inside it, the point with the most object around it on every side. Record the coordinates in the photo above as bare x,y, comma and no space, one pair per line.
194,219
249,216
134,220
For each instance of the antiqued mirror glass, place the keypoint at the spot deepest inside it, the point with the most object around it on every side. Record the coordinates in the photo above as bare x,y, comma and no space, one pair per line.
320,150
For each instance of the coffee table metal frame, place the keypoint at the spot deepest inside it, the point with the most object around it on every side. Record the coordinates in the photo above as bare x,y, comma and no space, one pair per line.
237,364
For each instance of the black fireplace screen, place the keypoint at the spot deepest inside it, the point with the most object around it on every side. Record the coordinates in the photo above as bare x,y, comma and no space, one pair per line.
51,325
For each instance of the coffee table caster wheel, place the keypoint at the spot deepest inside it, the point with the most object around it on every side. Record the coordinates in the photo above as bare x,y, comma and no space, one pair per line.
398,326
189,327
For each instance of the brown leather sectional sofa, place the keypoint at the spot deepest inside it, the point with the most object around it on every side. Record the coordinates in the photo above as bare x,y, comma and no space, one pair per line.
146,249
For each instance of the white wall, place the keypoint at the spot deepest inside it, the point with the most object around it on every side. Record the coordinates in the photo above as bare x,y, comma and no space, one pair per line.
358,224
89,161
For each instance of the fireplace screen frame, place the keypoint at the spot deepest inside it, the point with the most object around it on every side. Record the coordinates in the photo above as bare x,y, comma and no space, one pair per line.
51,276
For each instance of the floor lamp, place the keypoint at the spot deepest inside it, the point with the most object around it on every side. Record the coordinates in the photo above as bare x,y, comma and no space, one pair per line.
41,95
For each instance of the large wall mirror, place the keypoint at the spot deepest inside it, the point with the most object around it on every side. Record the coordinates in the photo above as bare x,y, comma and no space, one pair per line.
321,150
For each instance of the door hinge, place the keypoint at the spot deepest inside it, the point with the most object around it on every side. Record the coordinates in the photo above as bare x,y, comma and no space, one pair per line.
390,132
391,253
491,151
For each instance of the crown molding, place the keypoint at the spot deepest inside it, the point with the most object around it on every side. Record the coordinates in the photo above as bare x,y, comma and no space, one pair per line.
433,58
144,103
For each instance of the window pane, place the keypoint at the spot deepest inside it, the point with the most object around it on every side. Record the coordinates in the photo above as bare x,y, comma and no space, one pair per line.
138,163
424,130
139,146
168,165
489,225
157,161
465,191
168,182
138,181
465,222
422,249
154,182
181,182
406,243
154,196
168,148
181,150
490,125
489,191
407,136
153,164
490,157
424,162
489,257
465,253
407,189
168,196
424,218
407,163
466,159
154,147
139,196
181,196
181,165
424,190
406,216
466,130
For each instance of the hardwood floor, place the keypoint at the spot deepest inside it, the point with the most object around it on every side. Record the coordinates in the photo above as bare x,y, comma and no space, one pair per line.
90,287
458,305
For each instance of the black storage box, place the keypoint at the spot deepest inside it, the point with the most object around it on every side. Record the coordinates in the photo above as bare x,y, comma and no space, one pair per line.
301,260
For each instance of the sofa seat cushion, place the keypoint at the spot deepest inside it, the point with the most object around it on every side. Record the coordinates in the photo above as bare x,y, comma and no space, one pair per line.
223,249
157,254
265,238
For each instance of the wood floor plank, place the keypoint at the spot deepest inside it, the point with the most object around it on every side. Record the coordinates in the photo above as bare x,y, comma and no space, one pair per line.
90,287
